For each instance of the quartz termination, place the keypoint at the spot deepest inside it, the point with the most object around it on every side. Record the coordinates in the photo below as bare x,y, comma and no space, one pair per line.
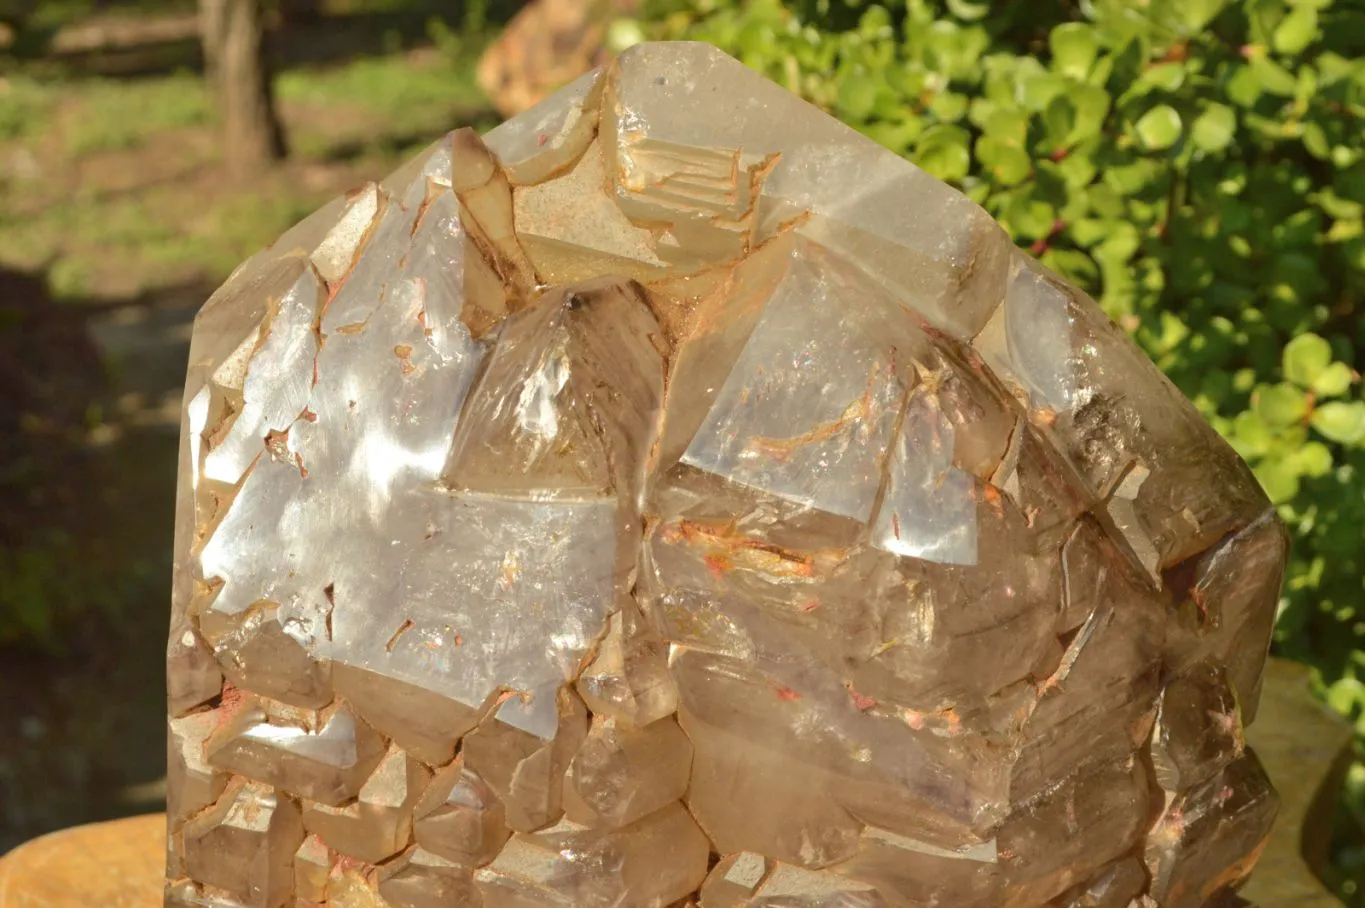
673,498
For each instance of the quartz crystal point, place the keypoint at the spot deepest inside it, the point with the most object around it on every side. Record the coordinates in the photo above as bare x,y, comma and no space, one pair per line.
421,879
620,774
245,844
673,498
460,819
656,860
378,824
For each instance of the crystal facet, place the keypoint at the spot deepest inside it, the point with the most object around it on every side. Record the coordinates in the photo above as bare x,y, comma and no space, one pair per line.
245,844
674,498
378,824
460,819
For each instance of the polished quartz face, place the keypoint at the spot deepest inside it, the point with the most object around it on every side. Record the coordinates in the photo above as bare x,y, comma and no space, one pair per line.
674,498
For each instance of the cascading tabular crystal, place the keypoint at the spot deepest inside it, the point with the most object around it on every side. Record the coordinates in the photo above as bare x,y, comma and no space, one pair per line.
674,498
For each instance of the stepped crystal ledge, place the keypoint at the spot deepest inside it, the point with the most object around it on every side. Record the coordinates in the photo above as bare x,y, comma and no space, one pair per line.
672,498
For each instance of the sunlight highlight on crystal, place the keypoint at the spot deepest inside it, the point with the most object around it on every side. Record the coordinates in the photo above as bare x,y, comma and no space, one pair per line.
672,498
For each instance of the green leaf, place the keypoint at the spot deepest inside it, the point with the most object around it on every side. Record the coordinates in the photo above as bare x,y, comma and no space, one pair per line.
1250,436
1213,129
1159,127
1280,406
1077,171
1076,267
1091,105
875,21
1345,694
1060,120
948,106
942,151
1244,86
1105,201
1273,77
1120,246
1306,86
1333,381
969,12
1296,31
1086,232
1264,15
1314,459
1341,422
1198,13
1007,125
1304,359
982,108
1008,163
1315,140
1125,65
954,50
1165,76
1073,48
1041,88
1279,479
899,137
1026,216
857,96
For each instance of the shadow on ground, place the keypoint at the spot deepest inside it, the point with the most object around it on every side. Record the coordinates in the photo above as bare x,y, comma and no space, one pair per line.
87,476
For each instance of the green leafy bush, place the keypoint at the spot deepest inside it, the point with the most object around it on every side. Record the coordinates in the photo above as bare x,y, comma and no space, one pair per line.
1197,165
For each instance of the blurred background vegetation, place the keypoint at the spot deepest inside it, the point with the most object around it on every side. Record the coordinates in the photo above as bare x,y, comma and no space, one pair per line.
1198,165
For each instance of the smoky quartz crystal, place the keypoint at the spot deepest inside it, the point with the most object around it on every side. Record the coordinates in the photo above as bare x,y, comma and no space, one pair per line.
672,498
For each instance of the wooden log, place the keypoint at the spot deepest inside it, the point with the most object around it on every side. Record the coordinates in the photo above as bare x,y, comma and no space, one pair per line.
116,34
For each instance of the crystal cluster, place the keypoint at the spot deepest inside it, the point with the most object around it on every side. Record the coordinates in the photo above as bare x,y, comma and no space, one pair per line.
674,499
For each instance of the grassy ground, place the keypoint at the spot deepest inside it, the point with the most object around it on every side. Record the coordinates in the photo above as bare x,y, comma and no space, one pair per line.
115,213
115,188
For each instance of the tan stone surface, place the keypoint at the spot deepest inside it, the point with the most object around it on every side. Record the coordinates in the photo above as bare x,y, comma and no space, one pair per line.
1305,750
110,865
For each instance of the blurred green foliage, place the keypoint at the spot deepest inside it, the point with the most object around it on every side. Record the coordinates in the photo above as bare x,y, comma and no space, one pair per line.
1197,165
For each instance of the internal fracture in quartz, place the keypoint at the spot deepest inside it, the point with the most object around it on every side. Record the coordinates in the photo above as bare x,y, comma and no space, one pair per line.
671,497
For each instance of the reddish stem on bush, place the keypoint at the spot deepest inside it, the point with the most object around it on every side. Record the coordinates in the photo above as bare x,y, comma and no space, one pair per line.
1042,245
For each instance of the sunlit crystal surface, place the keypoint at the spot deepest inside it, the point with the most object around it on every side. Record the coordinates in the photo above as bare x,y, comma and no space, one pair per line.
674,498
